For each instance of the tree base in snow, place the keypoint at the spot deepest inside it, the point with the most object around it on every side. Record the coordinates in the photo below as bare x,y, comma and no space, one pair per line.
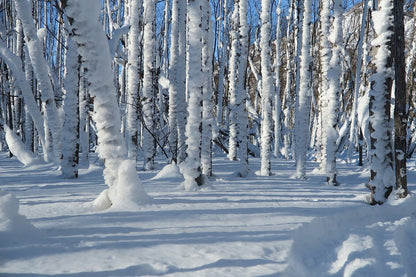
332,181
374,200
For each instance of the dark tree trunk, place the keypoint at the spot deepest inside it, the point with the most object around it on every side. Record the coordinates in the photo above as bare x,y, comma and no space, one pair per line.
400,110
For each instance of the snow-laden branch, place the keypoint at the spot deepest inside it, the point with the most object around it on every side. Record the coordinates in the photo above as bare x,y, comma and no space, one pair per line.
15,65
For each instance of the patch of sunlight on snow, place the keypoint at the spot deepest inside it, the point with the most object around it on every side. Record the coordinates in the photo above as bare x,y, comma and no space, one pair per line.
354,243
356,264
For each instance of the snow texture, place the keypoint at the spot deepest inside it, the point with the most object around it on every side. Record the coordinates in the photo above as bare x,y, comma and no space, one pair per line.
356,243
14,227
256,226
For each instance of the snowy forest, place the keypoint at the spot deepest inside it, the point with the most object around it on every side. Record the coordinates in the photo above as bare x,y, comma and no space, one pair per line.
153,101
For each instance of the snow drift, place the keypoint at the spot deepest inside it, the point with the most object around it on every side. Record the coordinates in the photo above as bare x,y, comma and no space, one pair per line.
13,226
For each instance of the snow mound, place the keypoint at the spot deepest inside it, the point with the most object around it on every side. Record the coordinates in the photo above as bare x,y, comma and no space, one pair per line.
369,241
127,194
13,226
168,172
17,147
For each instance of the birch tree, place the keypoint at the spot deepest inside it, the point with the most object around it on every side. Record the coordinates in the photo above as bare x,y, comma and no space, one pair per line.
222,57
207,122
177,67
133,79
149,64
325,56
195,78
234,77
305,93
242,115
119,171
267,89
41,69
277,101
381,152
70,145
400,106
332,100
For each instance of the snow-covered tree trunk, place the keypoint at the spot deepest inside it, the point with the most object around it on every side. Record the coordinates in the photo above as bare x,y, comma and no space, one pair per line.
223,57
149,67
287,97
41,70
332,100
234,77
267,89
182,113
133,79
70,140
84,119
119,172
191,168
242,116
277,101
177,69
305,93
15,64
325,56
353,138
207,122
381,153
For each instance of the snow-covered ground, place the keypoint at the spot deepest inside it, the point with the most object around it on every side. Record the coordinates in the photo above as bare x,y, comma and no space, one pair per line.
255,226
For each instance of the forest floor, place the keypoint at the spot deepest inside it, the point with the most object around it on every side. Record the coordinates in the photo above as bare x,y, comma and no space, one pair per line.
253,226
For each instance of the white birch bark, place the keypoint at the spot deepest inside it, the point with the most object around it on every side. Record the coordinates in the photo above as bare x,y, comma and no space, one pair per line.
334,90
277,110
234,76
223,57
267,89
325,55
70,141
133,79
305,93
191,168
149,64
181,81
353,136
242,116
177,83
207,122
287,97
